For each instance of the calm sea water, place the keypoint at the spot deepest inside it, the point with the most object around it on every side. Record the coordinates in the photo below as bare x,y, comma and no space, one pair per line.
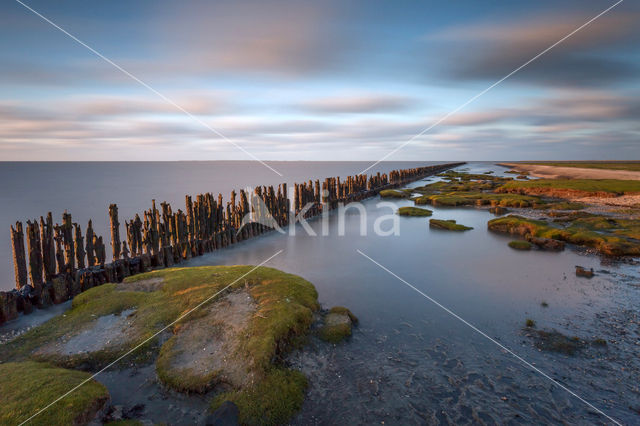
409,361
30,190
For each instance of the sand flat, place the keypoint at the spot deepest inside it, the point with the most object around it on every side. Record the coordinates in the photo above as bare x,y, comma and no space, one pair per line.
555,172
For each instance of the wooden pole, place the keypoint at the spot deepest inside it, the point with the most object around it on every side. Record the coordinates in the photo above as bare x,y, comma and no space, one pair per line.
35,254
115,231
19,262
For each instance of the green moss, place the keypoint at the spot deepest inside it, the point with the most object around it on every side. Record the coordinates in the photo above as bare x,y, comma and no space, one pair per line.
587,186
344,311
27,387
414,211
394,193
335,333
337,324
565,206
454,199
86,308
520,245
449,225
271,401
580,232
530,323
544,304
284,312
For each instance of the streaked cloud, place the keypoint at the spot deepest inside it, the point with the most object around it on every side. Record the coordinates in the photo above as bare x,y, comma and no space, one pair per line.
592,56
358,104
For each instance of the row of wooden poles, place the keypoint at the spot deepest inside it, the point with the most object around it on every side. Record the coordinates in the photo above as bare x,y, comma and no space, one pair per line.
63,262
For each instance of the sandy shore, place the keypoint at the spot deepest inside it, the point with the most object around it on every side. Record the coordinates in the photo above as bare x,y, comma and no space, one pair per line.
554,172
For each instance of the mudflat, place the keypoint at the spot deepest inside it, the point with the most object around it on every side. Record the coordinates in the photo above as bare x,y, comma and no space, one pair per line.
557,172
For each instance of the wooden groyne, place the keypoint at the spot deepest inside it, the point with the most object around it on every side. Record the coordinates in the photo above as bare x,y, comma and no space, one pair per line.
58,262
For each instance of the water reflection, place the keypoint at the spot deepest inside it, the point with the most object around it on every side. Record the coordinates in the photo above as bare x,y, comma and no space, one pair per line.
410,361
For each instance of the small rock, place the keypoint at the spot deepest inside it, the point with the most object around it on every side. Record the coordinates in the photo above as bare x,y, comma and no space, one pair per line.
582,272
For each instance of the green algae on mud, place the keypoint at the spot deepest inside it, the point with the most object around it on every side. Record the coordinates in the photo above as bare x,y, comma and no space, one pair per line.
608,236
454,199
449,225
27,387
271,400
414,211
338,323
556,187
279,312
395,193
564,205
520,245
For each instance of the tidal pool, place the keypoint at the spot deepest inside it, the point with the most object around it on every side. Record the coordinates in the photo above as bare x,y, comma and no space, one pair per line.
410,361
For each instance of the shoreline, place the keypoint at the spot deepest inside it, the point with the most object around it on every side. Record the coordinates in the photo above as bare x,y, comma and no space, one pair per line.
556,172
166,239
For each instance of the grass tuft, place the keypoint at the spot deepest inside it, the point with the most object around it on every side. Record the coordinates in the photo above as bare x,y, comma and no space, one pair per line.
449,225
414,211
520,245
27,387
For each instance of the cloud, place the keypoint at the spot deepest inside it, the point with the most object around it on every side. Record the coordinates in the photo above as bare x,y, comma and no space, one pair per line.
358,104
592,56
130,105
254,37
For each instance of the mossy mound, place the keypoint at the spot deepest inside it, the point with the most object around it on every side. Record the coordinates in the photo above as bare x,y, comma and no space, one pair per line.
278,315
565,205
561,188
27,387
449,225
338,323
456,199
583,232
520,245
414,211
344,311
395,193
274,397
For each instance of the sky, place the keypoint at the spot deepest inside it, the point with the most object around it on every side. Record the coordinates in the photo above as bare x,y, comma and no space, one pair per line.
319,80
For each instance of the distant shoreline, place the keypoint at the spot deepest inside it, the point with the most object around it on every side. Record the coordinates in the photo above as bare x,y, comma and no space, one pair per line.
557,172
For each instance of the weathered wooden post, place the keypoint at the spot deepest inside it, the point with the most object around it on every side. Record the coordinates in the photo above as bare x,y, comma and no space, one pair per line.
35,254
67,238
79,246
101,255
115,231
19,261
58,238
48,247
90,248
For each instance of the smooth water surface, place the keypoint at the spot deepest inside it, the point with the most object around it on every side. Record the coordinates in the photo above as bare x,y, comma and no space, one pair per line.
31,189
412,362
